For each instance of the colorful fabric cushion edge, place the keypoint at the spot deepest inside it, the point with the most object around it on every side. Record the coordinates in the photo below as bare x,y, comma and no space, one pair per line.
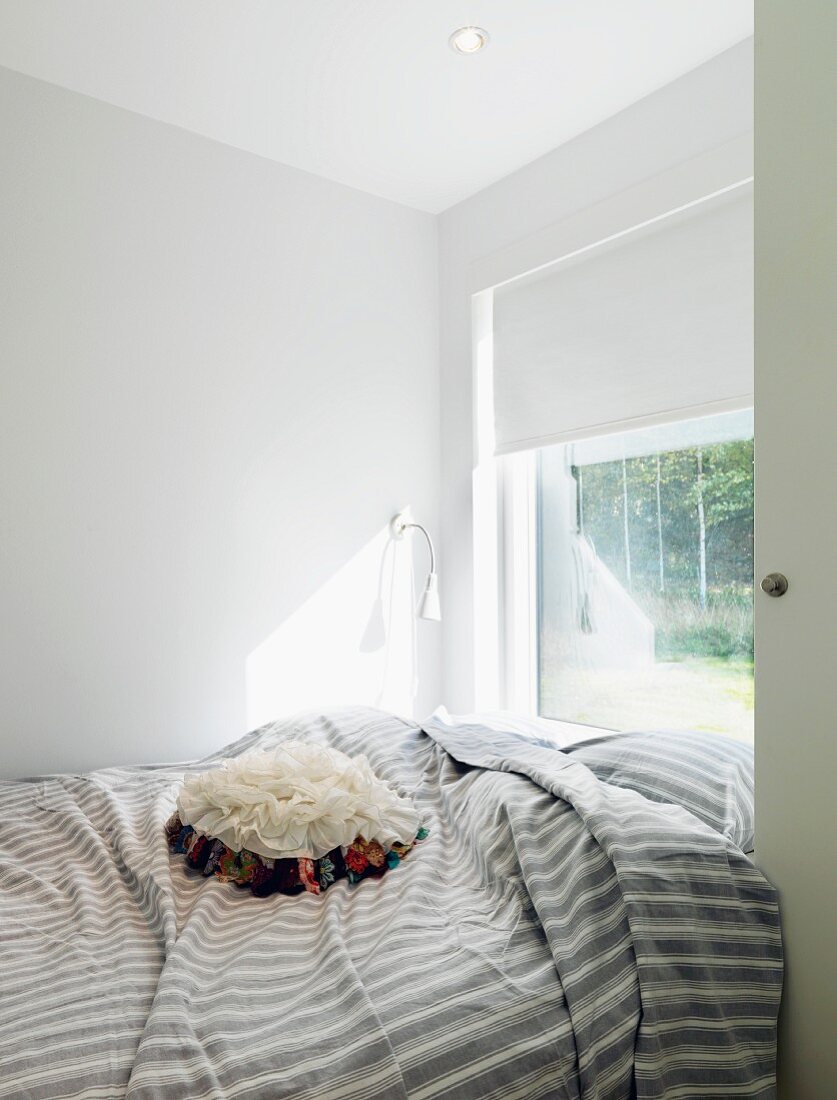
361,859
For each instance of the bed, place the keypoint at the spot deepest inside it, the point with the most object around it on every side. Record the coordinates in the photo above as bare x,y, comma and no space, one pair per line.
580,922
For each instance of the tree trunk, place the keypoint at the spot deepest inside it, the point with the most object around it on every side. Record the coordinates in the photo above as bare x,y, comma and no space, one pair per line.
702,529
660,532
625,518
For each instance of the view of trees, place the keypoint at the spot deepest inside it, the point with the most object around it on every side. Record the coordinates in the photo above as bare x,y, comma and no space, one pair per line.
677,530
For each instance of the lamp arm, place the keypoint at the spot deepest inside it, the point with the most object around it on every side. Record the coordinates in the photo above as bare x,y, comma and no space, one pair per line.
419,527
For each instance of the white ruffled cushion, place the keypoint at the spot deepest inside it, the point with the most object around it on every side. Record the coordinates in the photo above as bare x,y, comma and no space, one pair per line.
294,801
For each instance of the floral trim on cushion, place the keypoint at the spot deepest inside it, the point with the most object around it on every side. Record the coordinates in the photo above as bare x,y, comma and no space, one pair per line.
361,859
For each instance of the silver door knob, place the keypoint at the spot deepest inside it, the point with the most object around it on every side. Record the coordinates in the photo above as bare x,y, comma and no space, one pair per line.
775,584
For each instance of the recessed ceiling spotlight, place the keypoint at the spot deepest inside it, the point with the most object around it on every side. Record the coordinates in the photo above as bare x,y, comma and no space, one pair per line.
468,39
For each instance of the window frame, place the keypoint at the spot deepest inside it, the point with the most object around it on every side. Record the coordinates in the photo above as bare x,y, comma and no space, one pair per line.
518,523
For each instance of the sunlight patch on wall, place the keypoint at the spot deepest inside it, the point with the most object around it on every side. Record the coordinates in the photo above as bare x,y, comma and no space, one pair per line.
352,642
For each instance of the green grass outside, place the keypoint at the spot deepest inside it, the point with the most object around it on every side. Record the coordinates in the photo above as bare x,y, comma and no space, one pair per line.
706,693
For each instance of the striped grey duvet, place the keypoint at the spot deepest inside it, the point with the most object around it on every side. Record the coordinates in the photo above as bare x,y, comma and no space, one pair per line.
555,936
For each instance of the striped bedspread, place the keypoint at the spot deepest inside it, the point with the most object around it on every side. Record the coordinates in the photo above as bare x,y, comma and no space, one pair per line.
555,936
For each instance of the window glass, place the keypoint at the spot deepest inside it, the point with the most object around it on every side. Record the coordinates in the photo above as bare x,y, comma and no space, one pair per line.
645,578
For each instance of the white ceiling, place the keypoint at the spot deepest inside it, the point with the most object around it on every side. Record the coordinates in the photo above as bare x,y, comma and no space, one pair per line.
368,92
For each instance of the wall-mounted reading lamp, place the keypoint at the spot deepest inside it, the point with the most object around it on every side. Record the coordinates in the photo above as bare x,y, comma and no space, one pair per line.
428,605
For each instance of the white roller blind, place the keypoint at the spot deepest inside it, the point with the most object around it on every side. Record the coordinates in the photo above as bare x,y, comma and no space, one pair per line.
650,327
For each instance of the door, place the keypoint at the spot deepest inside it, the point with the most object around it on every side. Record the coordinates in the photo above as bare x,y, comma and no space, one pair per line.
796,520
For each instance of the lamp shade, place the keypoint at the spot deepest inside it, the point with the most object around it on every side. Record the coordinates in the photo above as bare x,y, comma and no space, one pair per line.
428,607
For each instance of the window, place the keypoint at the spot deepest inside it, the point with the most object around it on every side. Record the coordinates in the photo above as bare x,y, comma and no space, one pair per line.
644,577
615,465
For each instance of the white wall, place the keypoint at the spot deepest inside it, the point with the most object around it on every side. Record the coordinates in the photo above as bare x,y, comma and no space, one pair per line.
218,381
796,519
528,219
